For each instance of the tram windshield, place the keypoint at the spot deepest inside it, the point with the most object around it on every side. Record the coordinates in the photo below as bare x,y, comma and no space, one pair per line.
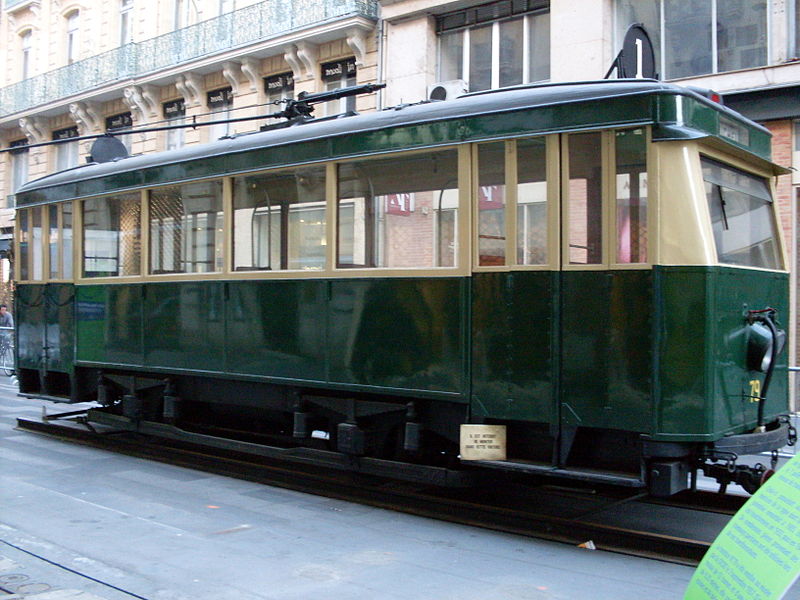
742,217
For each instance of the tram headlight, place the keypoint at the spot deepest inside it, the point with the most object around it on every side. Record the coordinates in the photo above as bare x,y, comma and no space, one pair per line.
759,346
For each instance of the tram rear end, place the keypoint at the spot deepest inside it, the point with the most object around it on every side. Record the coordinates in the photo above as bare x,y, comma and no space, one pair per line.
722,384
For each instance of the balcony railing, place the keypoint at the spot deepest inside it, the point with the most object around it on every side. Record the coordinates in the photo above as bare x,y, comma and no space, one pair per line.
256,23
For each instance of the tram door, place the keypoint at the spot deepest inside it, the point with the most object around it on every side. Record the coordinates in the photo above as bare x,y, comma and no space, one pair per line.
605,296
561,292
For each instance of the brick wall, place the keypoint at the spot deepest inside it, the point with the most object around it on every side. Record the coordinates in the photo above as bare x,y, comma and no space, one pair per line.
782,155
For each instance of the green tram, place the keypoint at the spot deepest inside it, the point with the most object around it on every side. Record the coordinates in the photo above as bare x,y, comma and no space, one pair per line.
581,280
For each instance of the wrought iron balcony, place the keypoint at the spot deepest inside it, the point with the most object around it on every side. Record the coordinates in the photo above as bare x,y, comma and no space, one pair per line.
249,25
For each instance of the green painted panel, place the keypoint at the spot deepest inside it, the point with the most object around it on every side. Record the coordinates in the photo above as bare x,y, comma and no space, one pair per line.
606,352
45,320
261,158
400,333
90,329
277,328
514,340
184,325
682,333
734,292
29,303
110,324
112,182
704,381
60,323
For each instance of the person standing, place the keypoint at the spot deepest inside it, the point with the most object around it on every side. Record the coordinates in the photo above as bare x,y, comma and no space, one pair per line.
6,320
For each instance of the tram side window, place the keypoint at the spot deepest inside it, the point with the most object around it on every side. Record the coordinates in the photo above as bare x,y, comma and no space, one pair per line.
66,240
742,217
36,244
631,185
186,234
585,199
60,240
399,212
112,236
491,204
532,202
279,220
23,225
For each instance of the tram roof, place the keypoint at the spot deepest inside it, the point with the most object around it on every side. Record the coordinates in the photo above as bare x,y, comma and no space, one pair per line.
675,112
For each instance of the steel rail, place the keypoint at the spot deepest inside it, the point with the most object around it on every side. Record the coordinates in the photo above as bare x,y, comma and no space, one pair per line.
562,515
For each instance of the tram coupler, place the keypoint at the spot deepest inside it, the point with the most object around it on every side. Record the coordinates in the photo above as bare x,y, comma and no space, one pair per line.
726,472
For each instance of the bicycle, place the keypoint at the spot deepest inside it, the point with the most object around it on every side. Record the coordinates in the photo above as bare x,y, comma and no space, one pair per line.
7,355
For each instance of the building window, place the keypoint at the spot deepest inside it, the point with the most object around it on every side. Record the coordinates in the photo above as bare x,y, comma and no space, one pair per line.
226,6
795,30
221,104
27,40
698,37
119,123
66,152
125,22
19,164
496,45
337,75
278,88
174,113
182,15
72,37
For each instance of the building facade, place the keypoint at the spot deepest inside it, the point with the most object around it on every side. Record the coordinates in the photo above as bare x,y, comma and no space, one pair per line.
83,67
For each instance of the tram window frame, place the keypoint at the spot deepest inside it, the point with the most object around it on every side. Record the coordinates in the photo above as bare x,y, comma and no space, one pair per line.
282,255
132,239
373,253
630,202
180,247
609,245
60,247
517,199
22,240
734,167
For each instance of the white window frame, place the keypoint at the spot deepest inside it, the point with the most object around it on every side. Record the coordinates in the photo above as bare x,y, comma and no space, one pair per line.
73,37
26,41
662,64
496,38
66,155
19,170
125,22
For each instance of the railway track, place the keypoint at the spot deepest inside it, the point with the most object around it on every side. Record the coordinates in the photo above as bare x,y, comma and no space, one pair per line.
678,529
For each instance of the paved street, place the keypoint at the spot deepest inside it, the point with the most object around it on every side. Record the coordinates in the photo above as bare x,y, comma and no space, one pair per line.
84,524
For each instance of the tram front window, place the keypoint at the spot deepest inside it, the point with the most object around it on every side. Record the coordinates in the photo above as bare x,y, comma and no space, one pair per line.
742,217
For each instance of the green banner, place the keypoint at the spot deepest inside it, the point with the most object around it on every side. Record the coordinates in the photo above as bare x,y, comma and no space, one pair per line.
757,555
